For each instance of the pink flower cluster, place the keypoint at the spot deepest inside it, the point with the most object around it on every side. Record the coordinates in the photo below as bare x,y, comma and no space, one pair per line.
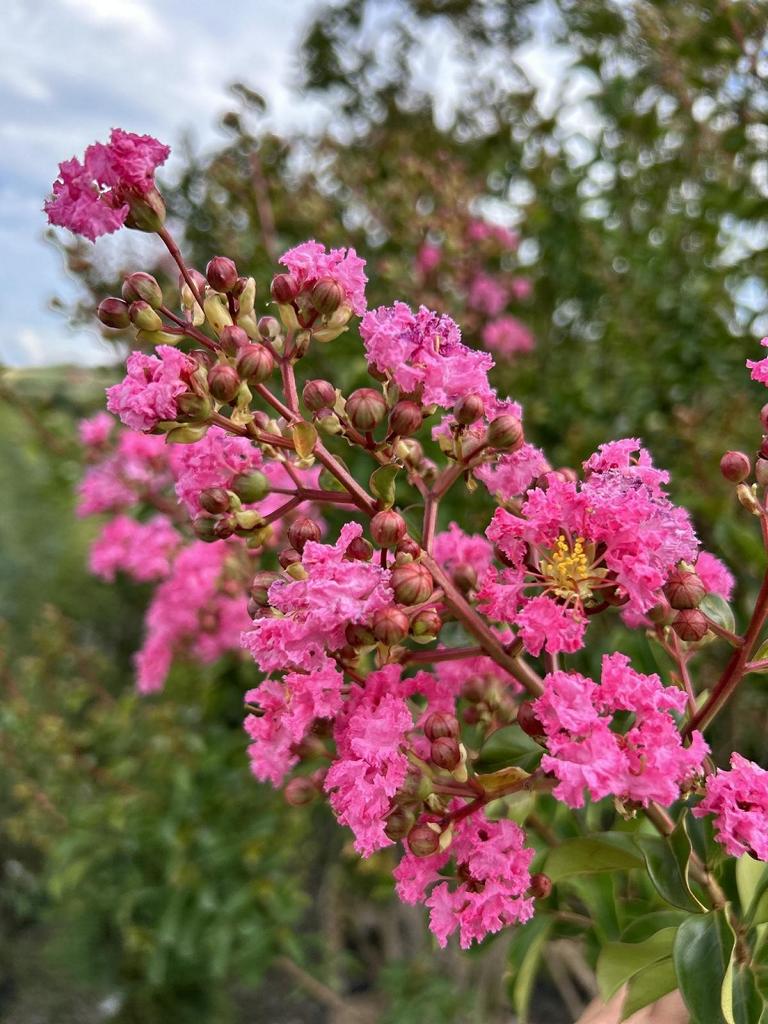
309,263
143,551
147,395
489,890
615,536
92,198
586,751
738,799
507,336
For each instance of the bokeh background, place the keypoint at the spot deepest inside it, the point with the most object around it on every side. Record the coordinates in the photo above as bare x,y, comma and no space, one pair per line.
145,876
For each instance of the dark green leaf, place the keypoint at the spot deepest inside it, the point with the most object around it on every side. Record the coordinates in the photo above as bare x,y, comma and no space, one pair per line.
607,851
667,860
619,961
648,985
506,747
701,953
717,609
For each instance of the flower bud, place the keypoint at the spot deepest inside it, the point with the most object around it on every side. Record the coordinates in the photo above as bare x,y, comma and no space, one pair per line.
505,432
387,528
735,467
541,886
390,625
255,363
251,486
475,689
146,210
530,722
440,725
203,528
464,576
288,557
691,625
327,296
142,287
761,472
764,416
269,327
318,394
114,312
684,589
215,500
358,635
327,421
299,791
193,407
409,548
426,625
222,274
366,408
662,613
301,530
359,550
245,293
411,583
144,317
223,382
445,753
469,409
399,823
423,841
232,339
405,418
224,526
260,585
284,288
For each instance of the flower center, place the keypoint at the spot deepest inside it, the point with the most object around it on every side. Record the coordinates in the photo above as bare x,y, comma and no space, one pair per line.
568,571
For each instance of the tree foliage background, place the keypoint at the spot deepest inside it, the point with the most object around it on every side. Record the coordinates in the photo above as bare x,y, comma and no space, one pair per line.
145,874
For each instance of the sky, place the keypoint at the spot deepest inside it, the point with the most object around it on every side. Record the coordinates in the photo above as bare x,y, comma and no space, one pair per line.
72,69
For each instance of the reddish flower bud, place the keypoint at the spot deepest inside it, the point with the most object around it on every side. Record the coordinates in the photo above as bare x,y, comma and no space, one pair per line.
763,450
465,577
399,823
255,363
301,530
269,327
365,408
359,550
445,753
439,725
114,313
232,339
221,273
405,418
144,317
358,635
203,528
390,625
761,472
197,280
408,548
469,409
327,296
288,556
250,487
684,589
299,791
224,526
412,451
260,585
691,625
411,583
529,721
541,886
426,623
387,528
318,394
662,614
284,288
423,841
215,500
475,689
505,432
142,287
764,416
193,407
223,382
735,467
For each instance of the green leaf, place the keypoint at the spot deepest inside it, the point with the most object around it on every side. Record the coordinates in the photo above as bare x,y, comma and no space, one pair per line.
304,438
588,855
751,882
648,985
741,1000
718,609
619,961
701,953
414,519
667,860
506,747
382,483
534,938
642,928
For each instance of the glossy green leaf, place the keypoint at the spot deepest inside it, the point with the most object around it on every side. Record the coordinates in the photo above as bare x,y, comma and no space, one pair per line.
701,953
533,942
751,882
506,747
606,851
619,961
648,985
643,928
741,1000
414,518
382,484
667,860
718,609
